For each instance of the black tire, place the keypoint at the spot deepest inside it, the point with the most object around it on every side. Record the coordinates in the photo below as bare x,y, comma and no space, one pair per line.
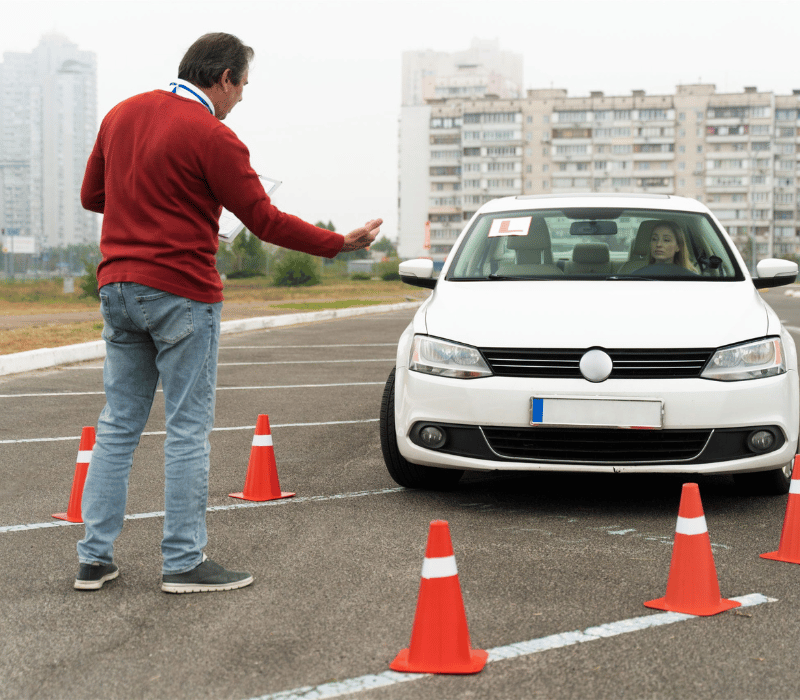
775,482
405,473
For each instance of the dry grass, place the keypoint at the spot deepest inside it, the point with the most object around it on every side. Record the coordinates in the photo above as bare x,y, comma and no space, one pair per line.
48,336
44,302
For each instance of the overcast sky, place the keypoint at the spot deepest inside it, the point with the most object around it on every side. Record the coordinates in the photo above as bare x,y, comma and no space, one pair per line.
321,110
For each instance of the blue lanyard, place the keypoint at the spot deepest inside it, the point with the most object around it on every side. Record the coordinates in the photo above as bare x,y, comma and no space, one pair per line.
198,96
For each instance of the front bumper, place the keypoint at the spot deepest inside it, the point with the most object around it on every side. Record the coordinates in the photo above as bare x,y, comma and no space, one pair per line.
705,425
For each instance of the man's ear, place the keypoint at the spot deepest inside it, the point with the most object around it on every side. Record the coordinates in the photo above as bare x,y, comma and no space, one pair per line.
225,80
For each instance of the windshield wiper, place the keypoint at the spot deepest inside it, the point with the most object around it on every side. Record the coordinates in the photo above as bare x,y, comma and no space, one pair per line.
520,278
631,277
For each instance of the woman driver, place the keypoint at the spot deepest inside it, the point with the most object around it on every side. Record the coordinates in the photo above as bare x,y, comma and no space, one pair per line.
668,246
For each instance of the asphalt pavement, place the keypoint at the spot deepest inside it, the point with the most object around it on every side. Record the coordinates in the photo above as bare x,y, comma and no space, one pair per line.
553,568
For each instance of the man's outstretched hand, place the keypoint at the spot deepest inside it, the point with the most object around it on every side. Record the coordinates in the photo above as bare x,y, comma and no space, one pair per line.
362,237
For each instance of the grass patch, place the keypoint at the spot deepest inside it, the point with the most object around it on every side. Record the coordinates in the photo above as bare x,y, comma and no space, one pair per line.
42,293
47,298
49,336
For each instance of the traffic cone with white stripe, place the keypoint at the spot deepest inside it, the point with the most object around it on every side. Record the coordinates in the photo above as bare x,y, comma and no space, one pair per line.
261,482
692,587
73,514
789,546
440,638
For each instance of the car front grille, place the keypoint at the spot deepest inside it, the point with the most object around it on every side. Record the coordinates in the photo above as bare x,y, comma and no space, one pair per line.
596,445
627,364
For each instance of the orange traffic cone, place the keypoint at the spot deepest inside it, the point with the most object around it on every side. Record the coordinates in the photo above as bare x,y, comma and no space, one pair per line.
261,482
440,638
789,546
692,587
73,514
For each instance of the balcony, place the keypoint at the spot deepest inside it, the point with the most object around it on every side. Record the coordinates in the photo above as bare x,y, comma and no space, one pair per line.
450,209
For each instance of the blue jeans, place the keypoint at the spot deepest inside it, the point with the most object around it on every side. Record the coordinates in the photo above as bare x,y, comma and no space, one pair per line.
152,335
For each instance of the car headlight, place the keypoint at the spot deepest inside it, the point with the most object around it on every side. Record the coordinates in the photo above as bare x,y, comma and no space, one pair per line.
760,358
446,359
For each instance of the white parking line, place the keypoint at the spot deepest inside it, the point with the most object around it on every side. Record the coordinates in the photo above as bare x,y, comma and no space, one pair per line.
219,388
237,427
274,362
306,347
213,509
305,362
532,646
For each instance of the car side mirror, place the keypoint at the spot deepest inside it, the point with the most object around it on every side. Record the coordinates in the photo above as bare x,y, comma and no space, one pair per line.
773,272
418,273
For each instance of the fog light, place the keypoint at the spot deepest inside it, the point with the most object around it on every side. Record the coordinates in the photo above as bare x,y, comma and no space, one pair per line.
761,441
432,437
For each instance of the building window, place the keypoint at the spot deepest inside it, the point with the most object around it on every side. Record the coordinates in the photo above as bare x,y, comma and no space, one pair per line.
572,133
501,151
500,118
653,114
613,132
570,116
571,150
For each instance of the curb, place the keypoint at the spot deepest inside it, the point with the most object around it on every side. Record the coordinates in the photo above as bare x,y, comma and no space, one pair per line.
69,354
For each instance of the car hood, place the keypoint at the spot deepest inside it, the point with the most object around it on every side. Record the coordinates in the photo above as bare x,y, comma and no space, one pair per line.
610,314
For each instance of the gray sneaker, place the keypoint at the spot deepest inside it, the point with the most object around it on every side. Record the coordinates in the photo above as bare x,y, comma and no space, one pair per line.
207,576
91,577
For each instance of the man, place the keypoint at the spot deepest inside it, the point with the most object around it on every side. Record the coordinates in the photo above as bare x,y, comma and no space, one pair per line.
162,168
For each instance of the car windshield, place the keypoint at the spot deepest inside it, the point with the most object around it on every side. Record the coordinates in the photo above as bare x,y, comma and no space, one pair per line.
596,243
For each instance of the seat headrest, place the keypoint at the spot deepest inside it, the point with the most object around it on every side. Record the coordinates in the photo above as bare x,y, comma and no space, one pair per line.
538,238
590,253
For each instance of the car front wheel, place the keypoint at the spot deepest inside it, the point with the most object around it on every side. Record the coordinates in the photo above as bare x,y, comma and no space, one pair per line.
775,482
405,473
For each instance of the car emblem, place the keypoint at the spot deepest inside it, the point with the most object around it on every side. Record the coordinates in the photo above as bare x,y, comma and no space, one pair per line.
596,365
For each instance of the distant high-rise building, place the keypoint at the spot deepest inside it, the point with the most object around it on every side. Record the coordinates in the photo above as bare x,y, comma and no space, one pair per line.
48,123
430,152
482,69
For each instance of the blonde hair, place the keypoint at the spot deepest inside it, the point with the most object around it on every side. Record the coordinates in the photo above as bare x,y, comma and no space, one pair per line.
682,256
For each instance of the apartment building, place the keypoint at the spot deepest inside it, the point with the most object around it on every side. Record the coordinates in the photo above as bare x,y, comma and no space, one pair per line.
48,122
437,146
737,153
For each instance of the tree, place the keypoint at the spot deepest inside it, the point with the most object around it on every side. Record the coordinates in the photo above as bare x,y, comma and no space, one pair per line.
383,244
245,257
250,256
90,258
296,269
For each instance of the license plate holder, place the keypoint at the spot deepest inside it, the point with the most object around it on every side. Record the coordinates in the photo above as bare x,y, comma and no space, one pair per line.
597,412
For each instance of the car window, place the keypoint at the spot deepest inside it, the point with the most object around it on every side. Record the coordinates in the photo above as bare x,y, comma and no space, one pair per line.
594,243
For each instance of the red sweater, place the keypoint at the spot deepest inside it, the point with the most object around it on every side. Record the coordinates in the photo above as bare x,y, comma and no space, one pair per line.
161,170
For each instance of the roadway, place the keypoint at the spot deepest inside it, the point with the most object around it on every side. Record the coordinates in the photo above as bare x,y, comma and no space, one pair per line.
337,567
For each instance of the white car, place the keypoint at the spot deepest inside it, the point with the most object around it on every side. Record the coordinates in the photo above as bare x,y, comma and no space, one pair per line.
603,333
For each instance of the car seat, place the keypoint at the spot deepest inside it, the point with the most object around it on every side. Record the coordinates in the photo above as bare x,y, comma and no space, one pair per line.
534,254
589,258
